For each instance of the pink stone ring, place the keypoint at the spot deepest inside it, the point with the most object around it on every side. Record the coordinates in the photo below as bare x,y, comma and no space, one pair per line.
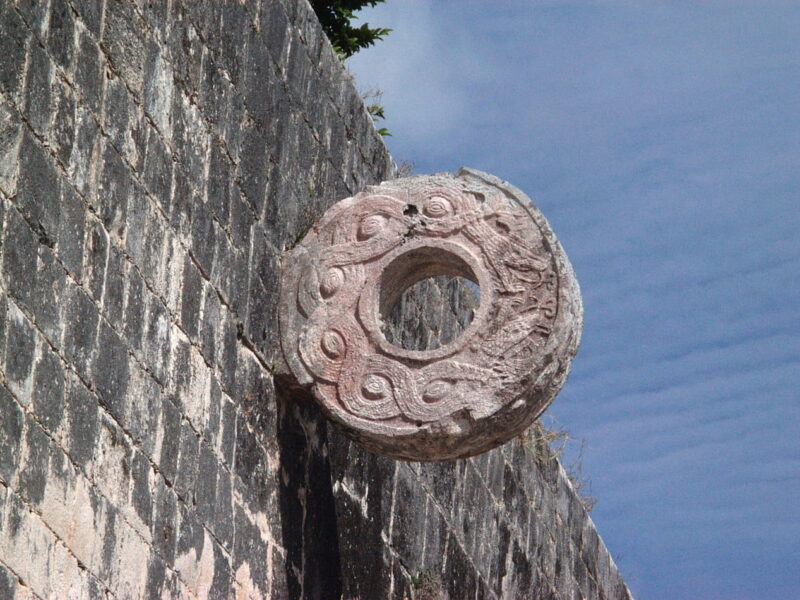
466,396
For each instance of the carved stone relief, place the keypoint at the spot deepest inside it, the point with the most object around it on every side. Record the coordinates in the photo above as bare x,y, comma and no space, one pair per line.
464,397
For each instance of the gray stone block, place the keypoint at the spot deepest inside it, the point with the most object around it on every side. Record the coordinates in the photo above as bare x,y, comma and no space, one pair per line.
191,298
170,424
10,438
61,135
110,371
82,418
135,294
88,76
48,390
114,188
9,584
38,107
33,471
124,41
10,140
186,477
141,497
205,489
70,233
114,290
48,296
14,38
20,347
165,522
20,249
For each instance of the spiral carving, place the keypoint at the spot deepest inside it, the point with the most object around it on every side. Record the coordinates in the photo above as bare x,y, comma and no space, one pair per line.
466,396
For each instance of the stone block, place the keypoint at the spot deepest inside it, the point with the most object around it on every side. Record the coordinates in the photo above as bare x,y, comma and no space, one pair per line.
82,419
124,42
111,463
212,312
190,545
110,371
227,353
38,107
34,464
91,14
10,438
185,49
20,248
191,298
114,188
135,294
186,477
88,77
203,236
205,493
143,410
38,190
159,88
241,220
61,33
141,491
157,336
155,586
14,37
86,147
170,435
48,296
81,317
222,520
165,522
48,390
213,407
114,292
190,140
9,584
158,170
10,140
70,232
227,438
20,351
250,461
95,259
248,546
220,183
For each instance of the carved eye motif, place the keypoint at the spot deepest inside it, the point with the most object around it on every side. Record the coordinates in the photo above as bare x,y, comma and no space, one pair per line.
436,390
370,226
437,207
332,344
376,387
331,282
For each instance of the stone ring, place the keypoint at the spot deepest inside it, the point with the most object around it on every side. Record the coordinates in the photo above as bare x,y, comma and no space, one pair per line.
466,396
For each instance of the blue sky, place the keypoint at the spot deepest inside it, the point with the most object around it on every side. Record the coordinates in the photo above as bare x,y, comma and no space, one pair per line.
662,142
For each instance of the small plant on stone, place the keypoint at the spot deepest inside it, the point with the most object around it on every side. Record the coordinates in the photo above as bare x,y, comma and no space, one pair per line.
548,444
428,586
372,99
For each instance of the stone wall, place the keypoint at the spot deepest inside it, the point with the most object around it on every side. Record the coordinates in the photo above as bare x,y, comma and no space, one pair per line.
156,157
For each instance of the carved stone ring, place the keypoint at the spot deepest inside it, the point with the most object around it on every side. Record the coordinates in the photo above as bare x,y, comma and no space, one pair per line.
466,396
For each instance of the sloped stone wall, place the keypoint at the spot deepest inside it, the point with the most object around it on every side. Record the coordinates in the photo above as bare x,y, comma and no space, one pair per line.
156,157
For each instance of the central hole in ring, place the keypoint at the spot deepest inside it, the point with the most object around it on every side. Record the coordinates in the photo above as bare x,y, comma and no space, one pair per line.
428,297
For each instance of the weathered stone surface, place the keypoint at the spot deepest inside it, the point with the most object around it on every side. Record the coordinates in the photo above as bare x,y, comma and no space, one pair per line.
469,395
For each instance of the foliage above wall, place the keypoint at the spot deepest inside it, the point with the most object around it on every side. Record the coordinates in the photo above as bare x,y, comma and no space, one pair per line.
335,17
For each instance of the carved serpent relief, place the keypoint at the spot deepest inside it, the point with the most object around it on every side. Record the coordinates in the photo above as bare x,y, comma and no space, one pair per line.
466,396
